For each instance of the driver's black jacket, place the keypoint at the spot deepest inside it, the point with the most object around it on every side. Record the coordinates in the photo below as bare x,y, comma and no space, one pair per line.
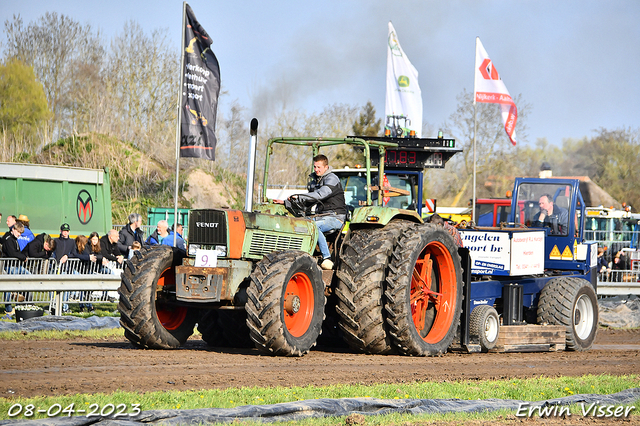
328,191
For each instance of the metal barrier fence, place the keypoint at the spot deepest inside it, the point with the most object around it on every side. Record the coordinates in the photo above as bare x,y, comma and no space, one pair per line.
619,282
58,284
75,281
614,241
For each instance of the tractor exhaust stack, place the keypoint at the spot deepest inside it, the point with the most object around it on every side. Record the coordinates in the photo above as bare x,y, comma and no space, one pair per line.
251,165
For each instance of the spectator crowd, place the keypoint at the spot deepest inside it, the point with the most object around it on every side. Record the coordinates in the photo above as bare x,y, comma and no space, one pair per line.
95,254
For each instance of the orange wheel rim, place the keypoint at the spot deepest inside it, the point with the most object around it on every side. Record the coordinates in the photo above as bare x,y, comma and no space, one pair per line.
434,287
298,304
171,317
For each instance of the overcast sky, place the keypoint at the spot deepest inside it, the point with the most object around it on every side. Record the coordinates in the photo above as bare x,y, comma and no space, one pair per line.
576,62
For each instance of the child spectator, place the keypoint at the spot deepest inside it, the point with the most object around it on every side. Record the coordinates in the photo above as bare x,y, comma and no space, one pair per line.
130,233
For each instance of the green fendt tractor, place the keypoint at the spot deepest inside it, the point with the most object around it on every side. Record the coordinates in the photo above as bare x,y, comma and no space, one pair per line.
252,276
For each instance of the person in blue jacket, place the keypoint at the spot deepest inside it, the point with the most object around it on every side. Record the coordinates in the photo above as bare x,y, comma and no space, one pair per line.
27,236
168,241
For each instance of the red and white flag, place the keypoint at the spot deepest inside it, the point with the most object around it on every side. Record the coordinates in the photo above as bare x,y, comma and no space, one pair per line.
489,88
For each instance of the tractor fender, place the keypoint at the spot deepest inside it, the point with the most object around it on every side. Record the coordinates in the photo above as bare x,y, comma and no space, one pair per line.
381,216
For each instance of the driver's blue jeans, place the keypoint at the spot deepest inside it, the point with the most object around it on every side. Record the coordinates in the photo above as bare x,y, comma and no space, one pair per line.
326,224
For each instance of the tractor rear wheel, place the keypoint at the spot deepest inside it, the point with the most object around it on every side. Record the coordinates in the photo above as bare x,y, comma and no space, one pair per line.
484,327
571,302
285,306
360,291
148,314
424,291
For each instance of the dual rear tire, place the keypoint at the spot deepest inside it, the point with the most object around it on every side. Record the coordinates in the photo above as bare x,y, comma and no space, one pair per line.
424,291
361,285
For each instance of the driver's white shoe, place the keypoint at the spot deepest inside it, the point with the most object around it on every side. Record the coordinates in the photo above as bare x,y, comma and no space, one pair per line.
327,265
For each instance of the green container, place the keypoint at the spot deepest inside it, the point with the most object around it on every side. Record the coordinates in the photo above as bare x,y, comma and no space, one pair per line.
53,195
155,214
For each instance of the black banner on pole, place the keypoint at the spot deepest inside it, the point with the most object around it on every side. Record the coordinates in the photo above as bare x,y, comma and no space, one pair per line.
200,90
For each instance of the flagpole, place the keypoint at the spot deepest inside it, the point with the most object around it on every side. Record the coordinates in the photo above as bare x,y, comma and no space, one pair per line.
179,110
475,131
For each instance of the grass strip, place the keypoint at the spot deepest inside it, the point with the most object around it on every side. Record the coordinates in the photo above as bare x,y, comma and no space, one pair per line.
94,333
531,389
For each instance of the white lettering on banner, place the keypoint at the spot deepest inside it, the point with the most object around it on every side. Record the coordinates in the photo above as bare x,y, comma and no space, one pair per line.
482,271
494,98
194,87
195,77
197,68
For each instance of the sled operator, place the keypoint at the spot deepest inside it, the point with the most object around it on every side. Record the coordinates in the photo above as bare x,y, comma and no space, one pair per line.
325,188
551,216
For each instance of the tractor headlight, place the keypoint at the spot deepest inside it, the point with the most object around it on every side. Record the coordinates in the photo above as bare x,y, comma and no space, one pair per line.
193,248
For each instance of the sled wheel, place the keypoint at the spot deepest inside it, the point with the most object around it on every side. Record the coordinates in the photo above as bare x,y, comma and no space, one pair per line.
571,302
484,327
424,291
285,309
148,311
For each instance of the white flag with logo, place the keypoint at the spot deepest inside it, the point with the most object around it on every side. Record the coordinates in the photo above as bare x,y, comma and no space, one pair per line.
404,97
489,88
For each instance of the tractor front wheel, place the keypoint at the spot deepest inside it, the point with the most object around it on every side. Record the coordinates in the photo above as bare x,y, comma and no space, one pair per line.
148,314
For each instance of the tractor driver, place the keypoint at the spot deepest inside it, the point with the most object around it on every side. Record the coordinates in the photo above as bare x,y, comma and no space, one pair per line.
325,188
552,216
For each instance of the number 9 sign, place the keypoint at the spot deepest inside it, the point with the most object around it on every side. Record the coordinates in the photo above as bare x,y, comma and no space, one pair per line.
207,258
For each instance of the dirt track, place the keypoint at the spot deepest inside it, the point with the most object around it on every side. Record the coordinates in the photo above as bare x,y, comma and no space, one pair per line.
31,368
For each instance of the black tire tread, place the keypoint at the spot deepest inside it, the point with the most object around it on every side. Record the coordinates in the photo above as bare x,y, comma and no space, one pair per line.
556,303
263,307
399,318
137,302
361,285
477,326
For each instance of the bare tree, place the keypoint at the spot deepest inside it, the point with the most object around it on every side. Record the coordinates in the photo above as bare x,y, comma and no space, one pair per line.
142,84
496,156
610,159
